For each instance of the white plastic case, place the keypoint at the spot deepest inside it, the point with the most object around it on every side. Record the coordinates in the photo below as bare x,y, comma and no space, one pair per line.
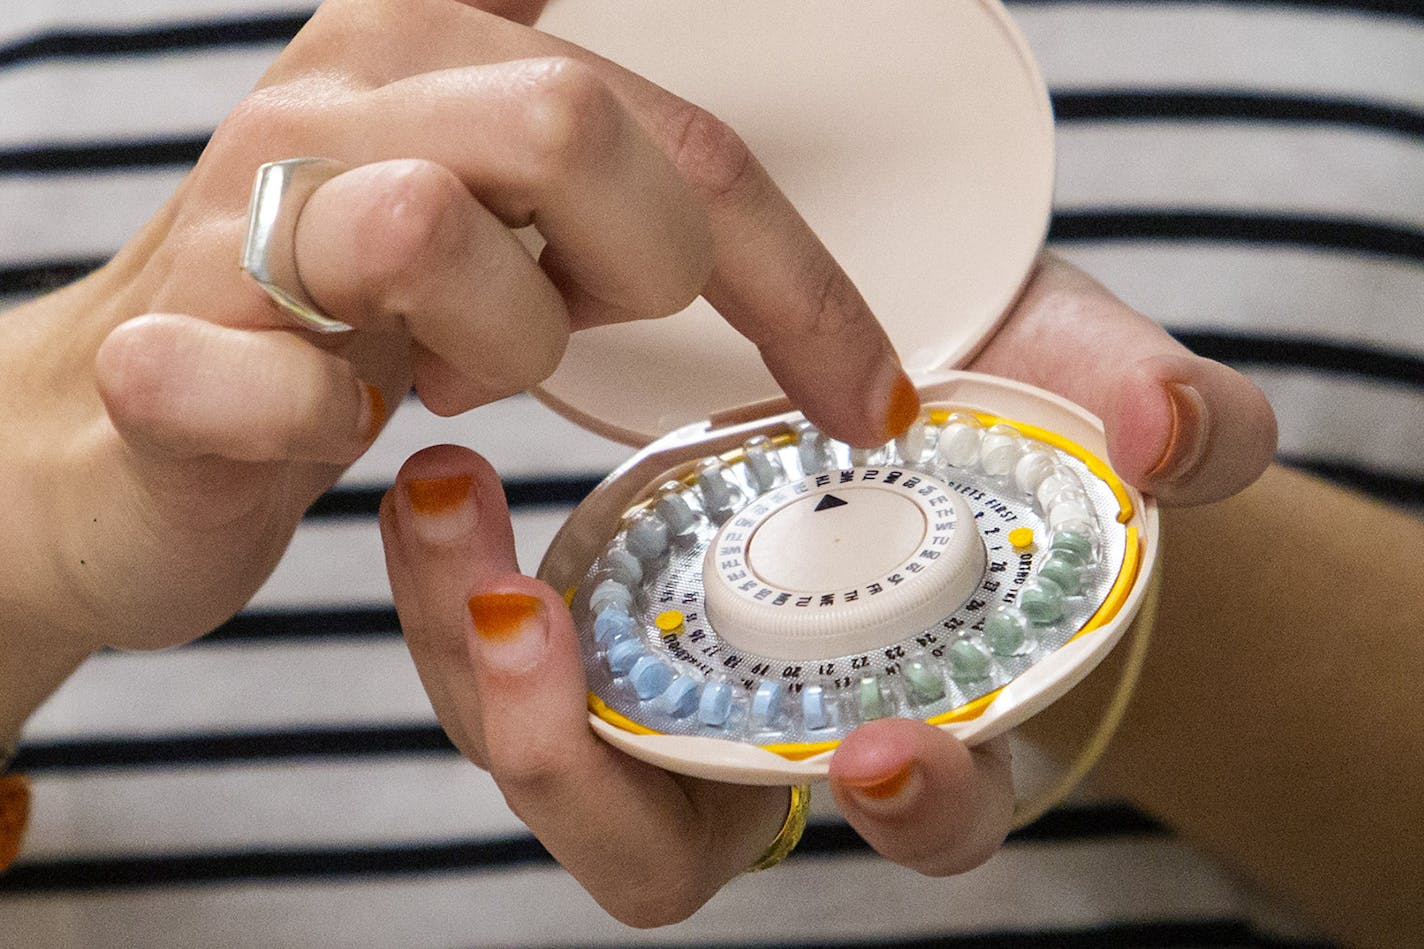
917,140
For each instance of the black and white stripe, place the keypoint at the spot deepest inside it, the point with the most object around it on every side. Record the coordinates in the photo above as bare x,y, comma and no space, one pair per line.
1251,173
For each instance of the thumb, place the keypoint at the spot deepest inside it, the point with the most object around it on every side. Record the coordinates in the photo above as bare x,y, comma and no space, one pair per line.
1186,429
180,386
920,797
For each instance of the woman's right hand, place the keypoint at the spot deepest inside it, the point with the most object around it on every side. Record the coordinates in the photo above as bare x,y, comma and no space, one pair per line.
166,426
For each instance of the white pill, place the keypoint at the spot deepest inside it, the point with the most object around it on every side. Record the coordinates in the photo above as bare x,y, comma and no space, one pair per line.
815,711
1056,481
911,445
712,482
1068,510
763,467
811,449
1032,469
999,450
958,444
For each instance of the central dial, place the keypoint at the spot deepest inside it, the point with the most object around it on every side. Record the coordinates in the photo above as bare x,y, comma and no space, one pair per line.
842,562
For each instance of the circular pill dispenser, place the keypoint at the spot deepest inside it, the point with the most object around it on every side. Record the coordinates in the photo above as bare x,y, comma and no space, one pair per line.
747,591
816,538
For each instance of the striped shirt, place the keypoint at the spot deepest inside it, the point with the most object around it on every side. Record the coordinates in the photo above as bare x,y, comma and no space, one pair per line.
1249,173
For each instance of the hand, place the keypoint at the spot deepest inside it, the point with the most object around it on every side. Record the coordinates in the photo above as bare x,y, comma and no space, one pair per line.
504,673
499,658
175,425
1184,429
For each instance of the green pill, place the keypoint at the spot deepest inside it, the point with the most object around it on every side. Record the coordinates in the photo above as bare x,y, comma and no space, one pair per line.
967,661
925,685
872,699
1041,600
1006,632
1063,568
1075,539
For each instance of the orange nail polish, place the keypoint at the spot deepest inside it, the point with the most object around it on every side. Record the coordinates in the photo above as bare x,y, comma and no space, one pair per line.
502,616
14,815
377,403
1186,442
886,788
904,407
432,497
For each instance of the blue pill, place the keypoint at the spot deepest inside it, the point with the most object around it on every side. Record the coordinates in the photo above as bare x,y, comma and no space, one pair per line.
647,536
622,566
715,704
610,593
766,703
613,624
813,708
623,654
650,676
680,698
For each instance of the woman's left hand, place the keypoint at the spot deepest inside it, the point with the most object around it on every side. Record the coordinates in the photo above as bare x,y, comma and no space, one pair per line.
504,673
499,658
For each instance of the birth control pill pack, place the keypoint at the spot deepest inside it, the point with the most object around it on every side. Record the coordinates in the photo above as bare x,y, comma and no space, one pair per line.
746,589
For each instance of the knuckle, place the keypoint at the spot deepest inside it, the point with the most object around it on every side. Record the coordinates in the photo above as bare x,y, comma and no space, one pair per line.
408,223
832,306
441,644
837,303
270,122
532,771
709,155
570,117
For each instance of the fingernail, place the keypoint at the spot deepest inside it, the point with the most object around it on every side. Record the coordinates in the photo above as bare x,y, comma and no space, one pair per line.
902,405
443,508
888,787
375,412
510,628
1186,442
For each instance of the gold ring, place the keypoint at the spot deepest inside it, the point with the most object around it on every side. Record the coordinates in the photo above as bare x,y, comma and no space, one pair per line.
279,192
790,833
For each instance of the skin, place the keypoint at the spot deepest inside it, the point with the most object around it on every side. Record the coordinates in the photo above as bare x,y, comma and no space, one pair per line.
915,793
173,426
170,444
1276,721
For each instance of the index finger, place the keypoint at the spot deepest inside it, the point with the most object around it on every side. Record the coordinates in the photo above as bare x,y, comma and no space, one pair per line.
776,284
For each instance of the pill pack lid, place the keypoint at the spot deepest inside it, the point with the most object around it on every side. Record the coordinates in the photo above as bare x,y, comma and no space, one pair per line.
916,138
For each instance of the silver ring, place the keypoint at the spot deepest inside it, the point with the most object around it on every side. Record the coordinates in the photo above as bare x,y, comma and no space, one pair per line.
269,253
